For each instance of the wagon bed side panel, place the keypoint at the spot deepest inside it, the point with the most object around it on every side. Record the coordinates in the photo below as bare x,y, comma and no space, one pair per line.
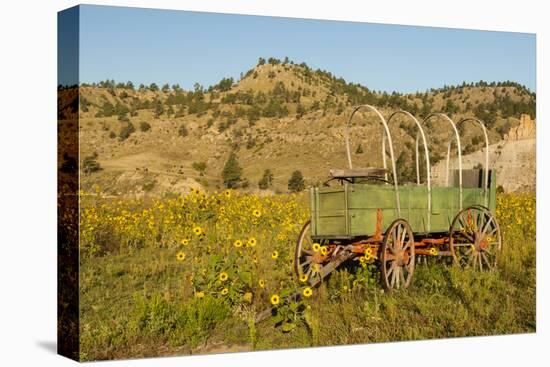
329,212
364,203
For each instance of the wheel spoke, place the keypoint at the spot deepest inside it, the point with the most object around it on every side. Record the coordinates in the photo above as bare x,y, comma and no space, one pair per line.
402,276
486,226
489,264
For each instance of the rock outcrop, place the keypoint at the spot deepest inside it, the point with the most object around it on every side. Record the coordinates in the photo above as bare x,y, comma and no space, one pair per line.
525,130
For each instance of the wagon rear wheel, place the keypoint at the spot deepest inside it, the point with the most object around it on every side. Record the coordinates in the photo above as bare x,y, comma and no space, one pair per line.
397,256
308,259
475,238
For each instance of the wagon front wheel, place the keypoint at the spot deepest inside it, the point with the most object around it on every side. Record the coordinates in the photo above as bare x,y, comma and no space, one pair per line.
308,259
397,256
475,238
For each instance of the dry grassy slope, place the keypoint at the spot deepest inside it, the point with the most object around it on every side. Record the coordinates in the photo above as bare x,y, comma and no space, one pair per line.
312,144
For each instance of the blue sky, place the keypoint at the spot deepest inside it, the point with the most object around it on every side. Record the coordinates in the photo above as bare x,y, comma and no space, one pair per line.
165,46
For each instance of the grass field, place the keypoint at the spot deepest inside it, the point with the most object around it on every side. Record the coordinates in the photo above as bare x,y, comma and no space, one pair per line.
187,275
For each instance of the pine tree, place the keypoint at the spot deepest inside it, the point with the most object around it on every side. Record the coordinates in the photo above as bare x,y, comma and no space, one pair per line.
232,171
296,182
266,180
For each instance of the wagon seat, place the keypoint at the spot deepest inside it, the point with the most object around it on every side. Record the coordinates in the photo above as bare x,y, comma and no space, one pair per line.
353,175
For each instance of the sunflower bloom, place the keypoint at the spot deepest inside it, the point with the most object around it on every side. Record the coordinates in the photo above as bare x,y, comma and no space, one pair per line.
316,247
256,213
433,251
251,242
238,243
247,297
224,291
324,250
180,256
223,276
274,255
261,283
303,278
184,242
227,193
198,231
307,292
275,299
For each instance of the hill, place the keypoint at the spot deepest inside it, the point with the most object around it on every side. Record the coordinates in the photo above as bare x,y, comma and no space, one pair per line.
279,116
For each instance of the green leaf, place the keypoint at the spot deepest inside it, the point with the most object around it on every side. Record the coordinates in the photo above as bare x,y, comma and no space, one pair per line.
287,327
278,319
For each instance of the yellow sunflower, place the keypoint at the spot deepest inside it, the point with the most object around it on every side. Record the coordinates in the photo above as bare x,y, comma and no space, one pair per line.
433,251
227,193
316,247
180,256
324,250
275,299
238,243
224,291
256,213
303,278
274,255
199,294
251,242
223,276
198,230
185,242
247,297
261,283
307,292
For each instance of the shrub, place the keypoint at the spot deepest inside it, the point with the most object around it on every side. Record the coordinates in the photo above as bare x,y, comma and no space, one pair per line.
296,182
266,180
182,131
148,186
200,167
90,164
127,130
144,126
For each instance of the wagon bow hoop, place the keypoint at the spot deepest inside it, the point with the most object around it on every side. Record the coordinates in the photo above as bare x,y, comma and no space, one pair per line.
459,149
426,153
486,167
390,143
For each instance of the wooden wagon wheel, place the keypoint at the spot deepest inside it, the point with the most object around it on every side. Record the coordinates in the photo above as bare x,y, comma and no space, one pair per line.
308,259
475,238
397,255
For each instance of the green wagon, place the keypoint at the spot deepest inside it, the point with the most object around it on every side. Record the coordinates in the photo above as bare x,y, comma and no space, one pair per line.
367,216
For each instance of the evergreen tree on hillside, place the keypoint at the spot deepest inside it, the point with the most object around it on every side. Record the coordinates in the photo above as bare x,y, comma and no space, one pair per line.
296,182
232,171
267,180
